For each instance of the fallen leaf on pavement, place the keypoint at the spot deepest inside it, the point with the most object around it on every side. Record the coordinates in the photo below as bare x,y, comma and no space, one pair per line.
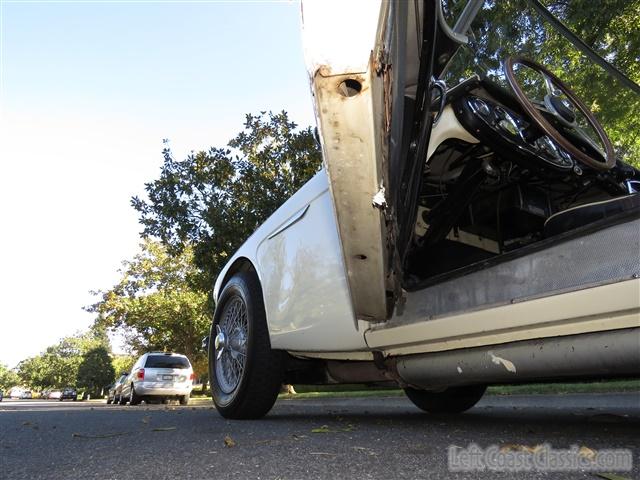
611,476
588,453
325,429
322,429
164,429
229,442
515,447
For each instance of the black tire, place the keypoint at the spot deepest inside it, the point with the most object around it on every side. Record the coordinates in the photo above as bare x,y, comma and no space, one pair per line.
123,400
259,384
134,399
451,400
108,401
60,398
184,400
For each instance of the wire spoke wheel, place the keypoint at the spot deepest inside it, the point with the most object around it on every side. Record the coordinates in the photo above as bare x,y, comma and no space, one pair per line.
231,345
246,373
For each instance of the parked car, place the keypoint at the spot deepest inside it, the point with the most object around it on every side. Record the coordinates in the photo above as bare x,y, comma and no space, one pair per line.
54,395
472,223
15,392
26,395
1,395
114,390
110,389
69,394
158,376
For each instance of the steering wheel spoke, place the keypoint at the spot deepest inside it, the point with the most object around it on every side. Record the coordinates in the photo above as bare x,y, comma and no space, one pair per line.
550,86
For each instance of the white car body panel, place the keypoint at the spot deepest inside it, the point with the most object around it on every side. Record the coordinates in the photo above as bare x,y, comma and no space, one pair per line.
303,277
308,309
349,108
607,307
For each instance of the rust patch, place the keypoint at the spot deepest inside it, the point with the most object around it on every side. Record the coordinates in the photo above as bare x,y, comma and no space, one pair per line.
386,84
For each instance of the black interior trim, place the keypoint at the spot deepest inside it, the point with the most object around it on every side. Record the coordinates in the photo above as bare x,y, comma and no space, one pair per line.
521,252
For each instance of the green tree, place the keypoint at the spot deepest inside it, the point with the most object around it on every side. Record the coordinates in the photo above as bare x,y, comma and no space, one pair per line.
8,378
123,363
155,305
57,366
96,371
212,201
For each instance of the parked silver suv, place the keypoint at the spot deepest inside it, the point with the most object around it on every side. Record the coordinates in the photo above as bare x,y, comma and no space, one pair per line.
161,376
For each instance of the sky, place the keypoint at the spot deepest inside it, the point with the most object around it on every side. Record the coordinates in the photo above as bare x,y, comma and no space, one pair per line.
88,92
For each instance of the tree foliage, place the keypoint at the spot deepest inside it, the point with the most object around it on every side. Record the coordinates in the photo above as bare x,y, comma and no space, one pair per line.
8,378
212,201
123,363
95,371
155,304
610,27
58,365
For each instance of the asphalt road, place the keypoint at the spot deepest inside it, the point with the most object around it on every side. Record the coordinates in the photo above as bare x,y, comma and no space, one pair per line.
382,438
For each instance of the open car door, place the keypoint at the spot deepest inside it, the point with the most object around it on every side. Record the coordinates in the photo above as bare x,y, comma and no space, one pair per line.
372,66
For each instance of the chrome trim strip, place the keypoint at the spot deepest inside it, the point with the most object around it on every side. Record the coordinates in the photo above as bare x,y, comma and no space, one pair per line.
296,217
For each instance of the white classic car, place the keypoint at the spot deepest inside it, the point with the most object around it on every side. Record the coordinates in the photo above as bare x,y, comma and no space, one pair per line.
472,224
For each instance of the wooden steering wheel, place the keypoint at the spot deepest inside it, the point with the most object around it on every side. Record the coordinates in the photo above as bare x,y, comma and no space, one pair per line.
564,112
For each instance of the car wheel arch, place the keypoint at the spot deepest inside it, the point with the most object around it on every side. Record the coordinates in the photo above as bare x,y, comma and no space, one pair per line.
240,264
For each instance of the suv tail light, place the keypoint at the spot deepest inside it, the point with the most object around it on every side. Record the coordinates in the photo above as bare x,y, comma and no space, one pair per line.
192,376
140,374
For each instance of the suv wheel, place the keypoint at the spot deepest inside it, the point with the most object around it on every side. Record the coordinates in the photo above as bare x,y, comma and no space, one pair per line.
245,372
184,400
133,398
